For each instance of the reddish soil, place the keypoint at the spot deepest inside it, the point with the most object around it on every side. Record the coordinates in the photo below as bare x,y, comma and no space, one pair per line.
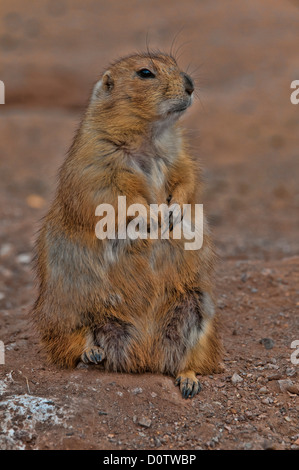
244,130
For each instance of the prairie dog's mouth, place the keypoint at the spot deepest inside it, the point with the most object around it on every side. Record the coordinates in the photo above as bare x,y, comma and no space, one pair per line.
179,108
175,106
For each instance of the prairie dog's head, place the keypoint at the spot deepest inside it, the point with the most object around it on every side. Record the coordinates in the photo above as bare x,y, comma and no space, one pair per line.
143,88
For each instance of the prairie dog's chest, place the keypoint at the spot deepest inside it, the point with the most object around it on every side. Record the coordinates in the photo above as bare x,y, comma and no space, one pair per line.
158,174
155,171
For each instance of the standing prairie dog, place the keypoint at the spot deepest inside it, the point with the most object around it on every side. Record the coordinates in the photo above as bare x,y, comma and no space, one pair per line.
130,305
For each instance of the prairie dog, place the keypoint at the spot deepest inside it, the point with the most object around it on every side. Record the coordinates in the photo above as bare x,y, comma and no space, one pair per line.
129,305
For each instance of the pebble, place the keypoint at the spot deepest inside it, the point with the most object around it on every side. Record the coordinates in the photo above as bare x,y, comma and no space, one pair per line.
81,365
291,372
294,447
236,378
274,376
284,384
35,201
294,389
145,422
248,445
268,343
24,258
272,366
137,390
267,401
6,250
268,445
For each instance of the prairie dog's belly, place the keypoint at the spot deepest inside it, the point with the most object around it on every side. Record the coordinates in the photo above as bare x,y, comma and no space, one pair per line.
156,341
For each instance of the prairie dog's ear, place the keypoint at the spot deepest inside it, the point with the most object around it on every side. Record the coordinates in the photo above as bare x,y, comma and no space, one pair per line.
107,81
96,90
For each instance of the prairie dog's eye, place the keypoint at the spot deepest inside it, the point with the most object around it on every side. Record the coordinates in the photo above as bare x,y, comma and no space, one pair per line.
145,73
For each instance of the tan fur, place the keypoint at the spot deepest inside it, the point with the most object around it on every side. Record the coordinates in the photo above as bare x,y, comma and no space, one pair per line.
146,304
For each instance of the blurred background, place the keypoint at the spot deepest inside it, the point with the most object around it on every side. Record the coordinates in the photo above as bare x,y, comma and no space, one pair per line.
243,128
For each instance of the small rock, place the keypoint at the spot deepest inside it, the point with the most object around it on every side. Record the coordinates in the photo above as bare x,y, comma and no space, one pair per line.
266,271
294,447
291,372
24,258
81,365
268,445
267,401
35,201
6,272
248,445
293,389
284,384
263,390
2,296
6,250
145,422
272,366
274,376
268,343
137,390
236,378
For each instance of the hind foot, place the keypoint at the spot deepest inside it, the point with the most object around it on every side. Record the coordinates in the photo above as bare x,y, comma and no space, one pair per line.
188,383
93,355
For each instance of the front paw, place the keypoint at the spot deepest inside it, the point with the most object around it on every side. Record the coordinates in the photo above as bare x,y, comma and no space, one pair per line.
189,384
93,355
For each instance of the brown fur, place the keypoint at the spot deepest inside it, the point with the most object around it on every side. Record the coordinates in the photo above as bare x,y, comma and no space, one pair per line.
143,305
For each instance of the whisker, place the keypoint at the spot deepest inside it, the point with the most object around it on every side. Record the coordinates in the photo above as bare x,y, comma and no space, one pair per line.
173,42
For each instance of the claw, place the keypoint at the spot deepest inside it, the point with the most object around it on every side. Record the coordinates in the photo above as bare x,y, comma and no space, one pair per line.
177,381
189,386
93,355
85,358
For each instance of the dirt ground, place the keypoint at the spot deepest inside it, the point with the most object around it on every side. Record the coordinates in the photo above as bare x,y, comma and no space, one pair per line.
244,131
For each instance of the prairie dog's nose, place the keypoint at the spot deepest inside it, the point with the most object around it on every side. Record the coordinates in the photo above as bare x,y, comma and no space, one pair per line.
189,86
